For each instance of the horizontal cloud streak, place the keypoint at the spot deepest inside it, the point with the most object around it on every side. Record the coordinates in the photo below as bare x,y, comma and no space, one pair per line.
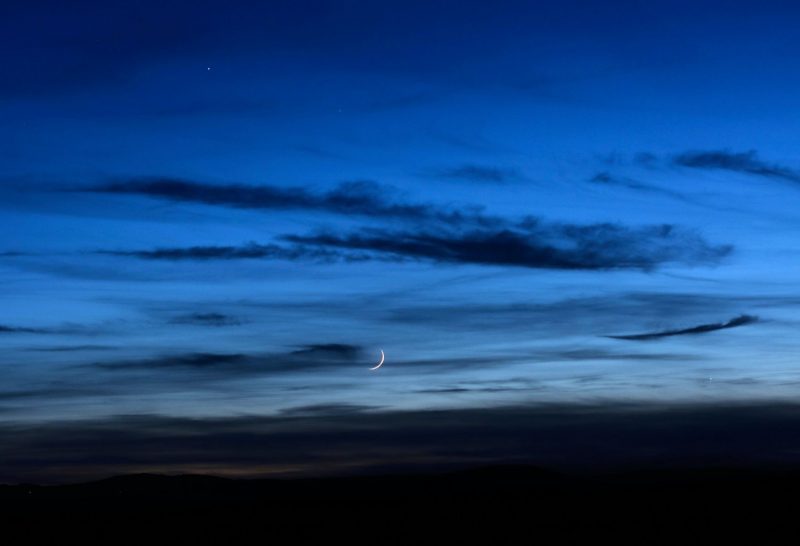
441,234
340,350
248,251
741,320
206,319
744,162
538,245
6,329
605,178
326,410
531,244
237,364
481,173
362,198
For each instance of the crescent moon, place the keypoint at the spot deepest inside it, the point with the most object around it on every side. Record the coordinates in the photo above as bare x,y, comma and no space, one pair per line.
383,357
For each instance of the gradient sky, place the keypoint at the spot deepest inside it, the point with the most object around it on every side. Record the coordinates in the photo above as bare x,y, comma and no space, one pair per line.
220,212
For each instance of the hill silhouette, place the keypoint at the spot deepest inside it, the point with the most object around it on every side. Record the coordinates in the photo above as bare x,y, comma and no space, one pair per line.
487,503
561,496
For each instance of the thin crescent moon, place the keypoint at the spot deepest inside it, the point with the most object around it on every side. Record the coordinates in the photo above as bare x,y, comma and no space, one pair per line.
383,357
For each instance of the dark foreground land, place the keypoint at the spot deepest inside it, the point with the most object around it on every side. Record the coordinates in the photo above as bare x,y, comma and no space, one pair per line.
711,502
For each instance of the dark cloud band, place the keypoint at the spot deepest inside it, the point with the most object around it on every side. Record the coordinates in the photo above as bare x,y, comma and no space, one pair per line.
331,438
538,245
741,320
361,198
744,162
481,173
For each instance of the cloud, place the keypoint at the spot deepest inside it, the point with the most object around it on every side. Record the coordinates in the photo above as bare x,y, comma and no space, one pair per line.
572,355
362,198
341,350
471,143
190,360
605,178
531,244
523,319
236,364
332,439
534,245
744,162
322,356
457,390
63,329
481,173
6,329
646,159
741,320
50,392
440,234
562,354
166,371
207,319
317,410
72,348
247,251
470,387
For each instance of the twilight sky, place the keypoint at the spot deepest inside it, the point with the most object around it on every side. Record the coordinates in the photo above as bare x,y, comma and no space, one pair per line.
215,214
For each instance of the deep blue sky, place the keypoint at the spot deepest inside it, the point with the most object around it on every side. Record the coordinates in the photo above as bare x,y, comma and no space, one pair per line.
224,210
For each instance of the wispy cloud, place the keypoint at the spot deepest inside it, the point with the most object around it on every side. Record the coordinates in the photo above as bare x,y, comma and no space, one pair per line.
340,350
441,234
235,364
481,174
325,410
741,320
206,319
6,329
177,361
50,392
247,251
744,162
535,245
72,348
585,316
362,198
607,179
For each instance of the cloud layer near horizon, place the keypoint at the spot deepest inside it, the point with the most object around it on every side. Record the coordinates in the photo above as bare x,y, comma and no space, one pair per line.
351,438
